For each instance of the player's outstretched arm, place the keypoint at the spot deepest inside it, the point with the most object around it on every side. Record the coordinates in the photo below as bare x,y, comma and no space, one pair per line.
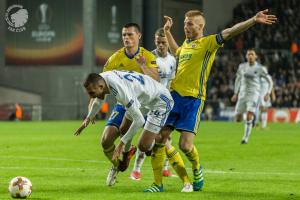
84,124
137,122
150,71
261,17
273,95
171,41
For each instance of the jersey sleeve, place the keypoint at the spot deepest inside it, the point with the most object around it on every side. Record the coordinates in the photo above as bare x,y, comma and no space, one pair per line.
265,75
174,66
214,42
150,59
95,108
132,106
237,83
178,51
110,63
137,118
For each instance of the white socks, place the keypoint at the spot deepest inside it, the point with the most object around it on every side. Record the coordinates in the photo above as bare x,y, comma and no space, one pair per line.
247,131
264,119
139,160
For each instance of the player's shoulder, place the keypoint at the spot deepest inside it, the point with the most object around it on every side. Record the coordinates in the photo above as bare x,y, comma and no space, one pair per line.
208,38
171,57
118,53
146,52
262,67
243,64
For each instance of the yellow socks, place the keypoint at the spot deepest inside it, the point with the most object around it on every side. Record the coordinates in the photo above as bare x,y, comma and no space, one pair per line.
193,157
157,160
109,153
177,163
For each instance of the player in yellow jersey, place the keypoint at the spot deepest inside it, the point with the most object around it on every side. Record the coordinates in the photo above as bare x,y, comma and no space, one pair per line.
196,56
131,57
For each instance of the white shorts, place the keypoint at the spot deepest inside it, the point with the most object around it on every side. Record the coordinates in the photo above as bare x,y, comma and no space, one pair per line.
264,103
245,104
159,113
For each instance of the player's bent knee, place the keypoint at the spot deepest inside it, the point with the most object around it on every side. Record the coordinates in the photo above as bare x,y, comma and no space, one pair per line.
144,147
165,133
109,136
185,147
239,118
106,143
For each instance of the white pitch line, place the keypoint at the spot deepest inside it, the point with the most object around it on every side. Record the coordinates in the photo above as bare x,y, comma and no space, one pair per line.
146,167
251,173
50,158
48,168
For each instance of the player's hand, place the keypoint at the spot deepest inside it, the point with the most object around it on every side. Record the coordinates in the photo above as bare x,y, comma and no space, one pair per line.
118,151
141,61
267,97
84,124
93,120
263,18
273,97
234,98
168,24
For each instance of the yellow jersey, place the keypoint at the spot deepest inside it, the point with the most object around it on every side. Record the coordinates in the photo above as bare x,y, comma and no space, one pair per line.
121,61
195,59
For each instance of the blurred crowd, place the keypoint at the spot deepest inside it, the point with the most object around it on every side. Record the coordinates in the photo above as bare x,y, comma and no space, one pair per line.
277,49
283,35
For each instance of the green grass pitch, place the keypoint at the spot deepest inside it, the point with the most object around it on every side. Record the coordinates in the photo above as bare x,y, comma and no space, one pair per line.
62,166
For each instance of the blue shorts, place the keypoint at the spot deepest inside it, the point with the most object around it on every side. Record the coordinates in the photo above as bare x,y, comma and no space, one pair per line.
185,115
116,116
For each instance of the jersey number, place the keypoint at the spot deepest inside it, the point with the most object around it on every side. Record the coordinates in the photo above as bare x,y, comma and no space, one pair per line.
131,77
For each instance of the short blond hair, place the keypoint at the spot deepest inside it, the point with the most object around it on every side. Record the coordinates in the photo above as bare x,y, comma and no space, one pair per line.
160,32
193,13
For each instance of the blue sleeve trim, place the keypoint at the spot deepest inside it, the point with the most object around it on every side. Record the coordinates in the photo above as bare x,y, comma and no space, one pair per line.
220,39
129,104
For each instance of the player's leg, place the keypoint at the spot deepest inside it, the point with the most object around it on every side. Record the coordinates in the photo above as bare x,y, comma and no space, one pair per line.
187,146
158,150
158,155
110,134
129,149
264,116
139,160
256,115
240,108
173,155
166,171
248,127
189,125
251,106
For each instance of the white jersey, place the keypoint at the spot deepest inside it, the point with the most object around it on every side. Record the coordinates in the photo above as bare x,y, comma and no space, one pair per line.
264,85
139,92
133,88
248,80
166,68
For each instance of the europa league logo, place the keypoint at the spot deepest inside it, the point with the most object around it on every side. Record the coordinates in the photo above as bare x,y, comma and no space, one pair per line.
43,9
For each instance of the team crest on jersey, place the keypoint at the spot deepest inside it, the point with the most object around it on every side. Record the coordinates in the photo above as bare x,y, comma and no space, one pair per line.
193,45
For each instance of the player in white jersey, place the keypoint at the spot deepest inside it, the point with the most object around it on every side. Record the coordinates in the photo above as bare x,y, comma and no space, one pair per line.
263,105
247,90
141,95
166,68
